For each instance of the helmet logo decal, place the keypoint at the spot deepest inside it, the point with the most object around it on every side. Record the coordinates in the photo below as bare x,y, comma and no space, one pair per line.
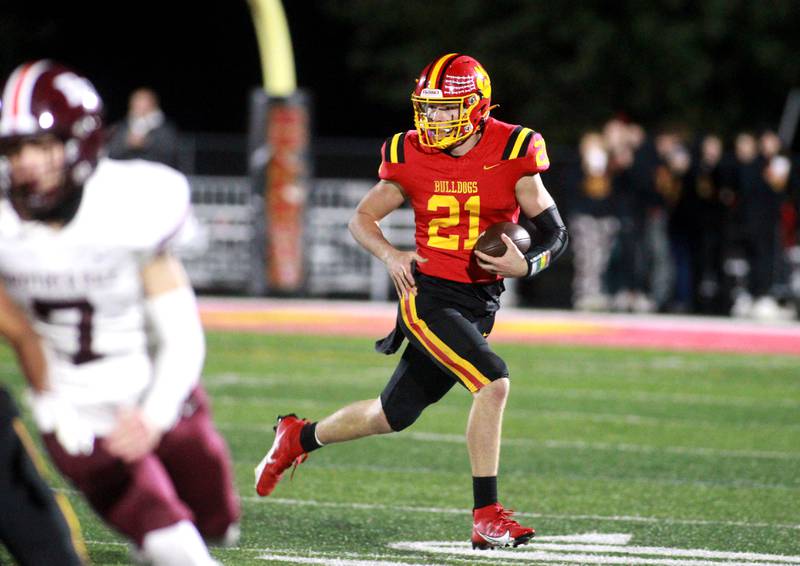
482,80
458,85
77,90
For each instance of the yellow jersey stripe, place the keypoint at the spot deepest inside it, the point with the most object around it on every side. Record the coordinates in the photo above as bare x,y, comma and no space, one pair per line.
518,143
393,158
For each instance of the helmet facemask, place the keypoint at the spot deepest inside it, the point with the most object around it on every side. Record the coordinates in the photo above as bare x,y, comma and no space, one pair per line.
42,188
444,122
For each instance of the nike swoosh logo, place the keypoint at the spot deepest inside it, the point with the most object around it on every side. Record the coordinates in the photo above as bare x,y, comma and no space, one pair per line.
266,460
499,541
487,167
275,444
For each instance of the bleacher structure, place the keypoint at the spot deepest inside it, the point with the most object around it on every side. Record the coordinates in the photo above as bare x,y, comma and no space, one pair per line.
231,215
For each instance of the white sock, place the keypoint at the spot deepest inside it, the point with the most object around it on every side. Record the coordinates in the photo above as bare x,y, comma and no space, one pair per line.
177,545
317,437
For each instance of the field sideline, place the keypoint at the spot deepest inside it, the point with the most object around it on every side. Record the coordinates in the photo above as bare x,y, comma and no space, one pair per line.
627,440
366,319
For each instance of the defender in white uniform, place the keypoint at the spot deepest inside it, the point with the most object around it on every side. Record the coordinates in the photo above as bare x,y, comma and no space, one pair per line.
85,253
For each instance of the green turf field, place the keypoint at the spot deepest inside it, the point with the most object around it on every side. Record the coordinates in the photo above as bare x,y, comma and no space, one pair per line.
680,451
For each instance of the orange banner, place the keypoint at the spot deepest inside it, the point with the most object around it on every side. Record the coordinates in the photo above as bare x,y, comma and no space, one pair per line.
285,195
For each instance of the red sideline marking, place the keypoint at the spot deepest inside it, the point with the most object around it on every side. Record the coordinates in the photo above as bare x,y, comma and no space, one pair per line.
374,320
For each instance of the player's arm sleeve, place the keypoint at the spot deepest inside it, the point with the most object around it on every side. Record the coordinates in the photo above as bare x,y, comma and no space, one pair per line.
17,330
554,240
172,314
536,202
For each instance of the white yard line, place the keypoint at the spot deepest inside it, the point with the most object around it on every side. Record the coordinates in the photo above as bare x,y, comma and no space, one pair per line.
540,551
518,473
619,447
592,554
554,444
565,549
328,561
632,419
465,512
233,378
682,399
318,557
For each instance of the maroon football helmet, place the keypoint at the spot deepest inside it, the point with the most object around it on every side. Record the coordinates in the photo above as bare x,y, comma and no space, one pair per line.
44,98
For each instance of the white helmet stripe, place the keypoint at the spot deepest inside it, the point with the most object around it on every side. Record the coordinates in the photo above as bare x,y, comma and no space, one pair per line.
8,98
17,117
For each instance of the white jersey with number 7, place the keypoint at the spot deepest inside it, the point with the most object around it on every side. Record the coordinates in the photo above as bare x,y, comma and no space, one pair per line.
81,284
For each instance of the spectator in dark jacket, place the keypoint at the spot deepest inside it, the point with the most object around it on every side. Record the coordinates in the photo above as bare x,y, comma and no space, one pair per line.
713,199
145,133
761,182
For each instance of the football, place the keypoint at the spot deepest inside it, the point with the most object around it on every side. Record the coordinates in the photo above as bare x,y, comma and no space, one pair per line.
491,244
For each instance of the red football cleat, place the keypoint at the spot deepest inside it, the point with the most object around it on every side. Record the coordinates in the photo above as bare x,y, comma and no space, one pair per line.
286,450
493,527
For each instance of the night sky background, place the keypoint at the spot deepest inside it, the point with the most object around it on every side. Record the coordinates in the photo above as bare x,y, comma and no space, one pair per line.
203,60
560,68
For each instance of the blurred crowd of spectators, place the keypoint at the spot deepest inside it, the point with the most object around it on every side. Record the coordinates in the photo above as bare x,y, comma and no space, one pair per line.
663,221
671,222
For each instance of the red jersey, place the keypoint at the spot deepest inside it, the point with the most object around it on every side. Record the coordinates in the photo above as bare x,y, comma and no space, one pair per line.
456,198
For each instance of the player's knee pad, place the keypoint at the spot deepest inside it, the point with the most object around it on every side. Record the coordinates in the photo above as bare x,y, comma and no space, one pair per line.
176,545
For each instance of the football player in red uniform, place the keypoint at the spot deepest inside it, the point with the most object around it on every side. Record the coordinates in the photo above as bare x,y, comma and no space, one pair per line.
461,171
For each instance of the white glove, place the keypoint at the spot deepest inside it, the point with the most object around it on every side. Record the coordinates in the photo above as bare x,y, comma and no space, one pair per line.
54,414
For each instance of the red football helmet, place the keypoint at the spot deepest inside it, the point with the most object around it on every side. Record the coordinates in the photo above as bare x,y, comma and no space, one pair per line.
451,100
45,98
